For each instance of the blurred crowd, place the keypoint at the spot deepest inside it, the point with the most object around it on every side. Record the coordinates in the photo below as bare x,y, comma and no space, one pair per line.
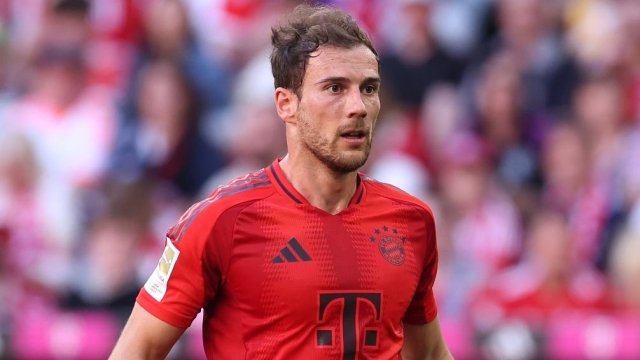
517,121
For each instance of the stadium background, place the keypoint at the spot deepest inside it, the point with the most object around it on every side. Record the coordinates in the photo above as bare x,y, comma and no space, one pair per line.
518,121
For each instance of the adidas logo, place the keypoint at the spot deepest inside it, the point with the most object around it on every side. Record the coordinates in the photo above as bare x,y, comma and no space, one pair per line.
293,252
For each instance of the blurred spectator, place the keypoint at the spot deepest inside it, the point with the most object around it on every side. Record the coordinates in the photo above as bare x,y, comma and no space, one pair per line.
116,31
368,13
594,29
392,166
168,35
111,29
629,67
58,113
625,263
38,217
512,133
33,24
112,250
599,111
457,24
528,30
630,180
412,60
67,25
251,132
233,31
37,227
4,49
7,94
571,189
163,140
404,146
482,221
475,202
548,281
224,26
440,116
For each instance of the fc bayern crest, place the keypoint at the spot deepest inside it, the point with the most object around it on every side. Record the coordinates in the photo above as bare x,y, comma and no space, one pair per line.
390,244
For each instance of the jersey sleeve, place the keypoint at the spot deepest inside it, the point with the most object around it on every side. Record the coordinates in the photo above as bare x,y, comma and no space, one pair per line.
422,308
187,276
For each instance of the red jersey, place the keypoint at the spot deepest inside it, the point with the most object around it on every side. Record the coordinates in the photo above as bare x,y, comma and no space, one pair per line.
280,279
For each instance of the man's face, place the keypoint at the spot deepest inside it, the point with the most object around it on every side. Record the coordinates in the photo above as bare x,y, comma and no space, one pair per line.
339,106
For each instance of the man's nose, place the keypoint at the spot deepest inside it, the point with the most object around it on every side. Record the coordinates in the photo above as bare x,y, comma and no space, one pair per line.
356,107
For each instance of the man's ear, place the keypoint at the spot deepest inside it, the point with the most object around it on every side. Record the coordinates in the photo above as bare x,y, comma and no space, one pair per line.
286,104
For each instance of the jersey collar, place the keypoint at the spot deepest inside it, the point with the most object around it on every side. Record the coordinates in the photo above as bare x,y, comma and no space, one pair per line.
284,186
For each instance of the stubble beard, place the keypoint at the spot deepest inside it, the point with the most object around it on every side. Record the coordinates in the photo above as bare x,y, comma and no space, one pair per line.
338,161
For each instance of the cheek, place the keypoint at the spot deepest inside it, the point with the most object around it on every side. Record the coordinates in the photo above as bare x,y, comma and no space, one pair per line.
374,103
320,116
373,107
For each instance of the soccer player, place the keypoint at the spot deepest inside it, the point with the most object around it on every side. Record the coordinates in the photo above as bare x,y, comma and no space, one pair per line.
306,258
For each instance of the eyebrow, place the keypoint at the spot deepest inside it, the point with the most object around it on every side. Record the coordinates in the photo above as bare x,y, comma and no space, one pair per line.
342,79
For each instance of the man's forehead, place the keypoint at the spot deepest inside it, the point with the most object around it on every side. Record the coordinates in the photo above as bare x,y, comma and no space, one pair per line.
337,59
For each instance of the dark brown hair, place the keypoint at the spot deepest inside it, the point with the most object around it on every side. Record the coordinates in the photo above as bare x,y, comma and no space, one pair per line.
302,32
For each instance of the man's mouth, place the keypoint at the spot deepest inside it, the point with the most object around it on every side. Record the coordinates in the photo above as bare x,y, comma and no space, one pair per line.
354,134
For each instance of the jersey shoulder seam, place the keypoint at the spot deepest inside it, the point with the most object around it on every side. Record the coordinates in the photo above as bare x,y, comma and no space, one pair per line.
398,195
218,205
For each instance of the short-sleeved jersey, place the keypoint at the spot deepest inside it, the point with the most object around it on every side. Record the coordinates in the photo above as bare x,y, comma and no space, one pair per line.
280,279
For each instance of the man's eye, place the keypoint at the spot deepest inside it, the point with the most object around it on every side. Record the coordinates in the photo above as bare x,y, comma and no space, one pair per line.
334,88
370,89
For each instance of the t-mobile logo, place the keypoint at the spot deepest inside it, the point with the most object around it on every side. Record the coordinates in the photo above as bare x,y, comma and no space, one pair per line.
350,301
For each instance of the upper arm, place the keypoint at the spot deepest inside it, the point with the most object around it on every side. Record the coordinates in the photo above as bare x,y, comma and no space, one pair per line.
191,268
184,280
145,337
422,342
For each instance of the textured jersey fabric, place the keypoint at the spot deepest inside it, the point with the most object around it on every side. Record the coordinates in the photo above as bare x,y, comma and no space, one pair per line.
280,279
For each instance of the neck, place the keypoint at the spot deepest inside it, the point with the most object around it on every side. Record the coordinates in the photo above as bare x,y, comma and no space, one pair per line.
320,186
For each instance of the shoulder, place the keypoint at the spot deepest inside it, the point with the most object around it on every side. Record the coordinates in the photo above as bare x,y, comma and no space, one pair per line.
394,194
226,199
249,187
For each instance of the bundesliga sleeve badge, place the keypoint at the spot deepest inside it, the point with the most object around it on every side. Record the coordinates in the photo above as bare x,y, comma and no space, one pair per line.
156,285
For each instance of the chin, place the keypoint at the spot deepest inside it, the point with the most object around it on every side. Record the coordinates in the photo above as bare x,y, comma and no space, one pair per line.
340,161
346,163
